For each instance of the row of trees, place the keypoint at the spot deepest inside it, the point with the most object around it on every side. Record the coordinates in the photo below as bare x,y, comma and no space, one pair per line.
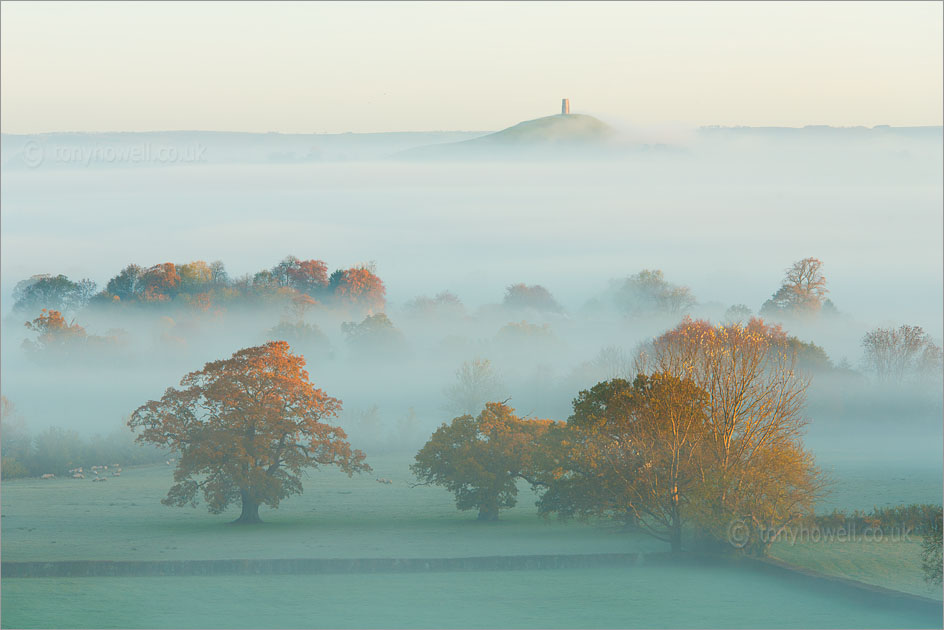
706,436
205,285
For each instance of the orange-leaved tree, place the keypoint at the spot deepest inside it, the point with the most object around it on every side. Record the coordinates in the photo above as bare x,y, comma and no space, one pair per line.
245,428
55,333
359,286
480,459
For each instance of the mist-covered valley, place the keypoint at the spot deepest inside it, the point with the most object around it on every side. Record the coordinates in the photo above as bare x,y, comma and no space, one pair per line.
723,215
419,287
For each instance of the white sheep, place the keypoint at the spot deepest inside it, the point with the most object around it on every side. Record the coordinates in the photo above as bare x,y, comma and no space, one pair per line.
78,475
48,476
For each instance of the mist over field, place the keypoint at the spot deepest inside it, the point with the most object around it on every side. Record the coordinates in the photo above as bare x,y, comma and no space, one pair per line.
574,371
471,314
723,213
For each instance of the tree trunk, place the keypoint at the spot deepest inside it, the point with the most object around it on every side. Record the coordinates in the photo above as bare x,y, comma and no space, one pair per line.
676,533
250,513
488,512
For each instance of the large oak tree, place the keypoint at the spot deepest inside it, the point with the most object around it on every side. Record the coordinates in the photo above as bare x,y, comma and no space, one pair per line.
245,428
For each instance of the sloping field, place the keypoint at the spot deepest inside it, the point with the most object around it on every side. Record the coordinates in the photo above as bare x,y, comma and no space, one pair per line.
891,564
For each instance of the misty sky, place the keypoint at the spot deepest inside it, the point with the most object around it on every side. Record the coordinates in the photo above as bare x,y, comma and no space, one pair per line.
324,67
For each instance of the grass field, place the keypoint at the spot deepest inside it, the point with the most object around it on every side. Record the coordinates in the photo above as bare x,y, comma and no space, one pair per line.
644,597
123,519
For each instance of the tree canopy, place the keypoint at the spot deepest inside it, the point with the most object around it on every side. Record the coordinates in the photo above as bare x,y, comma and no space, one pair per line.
630,451
755,468
479,459
648,293
803,292
523,296
246,427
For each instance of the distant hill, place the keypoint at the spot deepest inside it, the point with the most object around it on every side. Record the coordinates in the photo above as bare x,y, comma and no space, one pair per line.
560,134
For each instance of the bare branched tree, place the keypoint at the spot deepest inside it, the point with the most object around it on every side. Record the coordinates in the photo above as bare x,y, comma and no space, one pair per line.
897,355
477,382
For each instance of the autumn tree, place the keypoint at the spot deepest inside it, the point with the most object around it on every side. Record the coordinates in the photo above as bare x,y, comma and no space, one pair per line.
803,292
374,335
755,468
55,333
444,303
299,334
195,276
479,459
160,282
477,382
245,428
45,291
648,293
630,451
897,354
127,285
523,296
358,286
305,276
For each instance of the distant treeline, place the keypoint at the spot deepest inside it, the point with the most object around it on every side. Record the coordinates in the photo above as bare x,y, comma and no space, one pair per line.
205,286
298,286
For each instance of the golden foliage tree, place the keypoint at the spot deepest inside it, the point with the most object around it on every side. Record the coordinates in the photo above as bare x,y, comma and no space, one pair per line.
480,459
245,428
630,451
754,468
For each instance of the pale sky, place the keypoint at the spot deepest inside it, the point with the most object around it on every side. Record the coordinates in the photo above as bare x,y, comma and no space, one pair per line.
325,67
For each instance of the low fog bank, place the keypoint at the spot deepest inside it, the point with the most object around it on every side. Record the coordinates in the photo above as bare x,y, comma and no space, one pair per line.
721,211
399,381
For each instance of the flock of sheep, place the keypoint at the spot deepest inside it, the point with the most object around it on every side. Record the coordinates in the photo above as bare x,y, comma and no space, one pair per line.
98,471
